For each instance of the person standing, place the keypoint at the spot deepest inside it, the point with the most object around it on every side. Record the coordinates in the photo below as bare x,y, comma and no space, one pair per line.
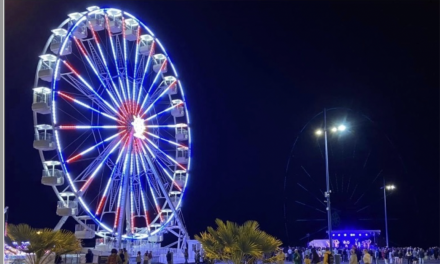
150,257
127,256
114,258
296,257
367,257
89,256
168,257
146,257
315,256
138,258
185,255
421,256
327,256
122,256
353,257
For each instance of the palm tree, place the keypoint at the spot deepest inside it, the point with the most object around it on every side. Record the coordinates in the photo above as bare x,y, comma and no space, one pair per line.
43,242
239,244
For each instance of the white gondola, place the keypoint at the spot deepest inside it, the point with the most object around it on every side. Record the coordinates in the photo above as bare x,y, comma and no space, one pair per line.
52,176
179,109
146,42
180,178
166,214
81,29
59,35
42,99
96,20
159,63
170,83
182,155
115,20
44,140
175,197
85,231
181,132
46,70
131,29
67,207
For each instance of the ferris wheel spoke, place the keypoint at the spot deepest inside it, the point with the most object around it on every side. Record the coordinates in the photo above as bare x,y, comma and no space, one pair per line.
109,182
84,52
124,45
164,111
115,58
145,72
136,60
86,106
124,179
70,67
166,140
132,211
160,96
98,44
143,146
166,126
141,190
159,72
166,155
92,176
150,186
72,127
77,156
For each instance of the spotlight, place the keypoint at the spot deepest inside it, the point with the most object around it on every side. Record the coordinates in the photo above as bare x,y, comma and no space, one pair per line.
341,128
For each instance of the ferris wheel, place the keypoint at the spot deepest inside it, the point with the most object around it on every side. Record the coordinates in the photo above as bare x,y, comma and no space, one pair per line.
112,128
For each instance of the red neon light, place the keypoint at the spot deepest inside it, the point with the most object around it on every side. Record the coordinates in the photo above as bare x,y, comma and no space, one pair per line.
86,184
71,68
81,47
117,216
101,204
94,33
74,158
66,96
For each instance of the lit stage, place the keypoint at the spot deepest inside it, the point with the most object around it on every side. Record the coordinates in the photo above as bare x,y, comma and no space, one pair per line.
348,238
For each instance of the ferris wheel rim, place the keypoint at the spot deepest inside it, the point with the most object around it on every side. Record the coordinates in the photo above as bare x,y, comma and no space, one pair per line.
54,123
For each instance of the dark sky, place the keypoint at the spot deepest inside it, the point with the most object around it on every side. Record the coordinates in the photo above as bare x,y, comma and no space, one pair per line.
255,73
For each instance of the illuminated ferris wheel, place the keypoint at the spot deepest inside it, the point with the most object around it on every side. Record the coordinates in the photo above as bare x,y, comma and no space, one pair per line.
112,127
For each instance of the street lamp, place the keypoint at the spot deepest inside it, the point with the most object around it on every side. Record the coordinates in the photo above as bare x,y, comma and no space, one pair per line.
319,132
386,188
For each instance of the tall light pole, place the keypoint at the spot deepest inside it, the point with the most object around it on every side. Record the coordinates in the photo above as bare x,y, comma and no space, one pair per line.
327,175
385,188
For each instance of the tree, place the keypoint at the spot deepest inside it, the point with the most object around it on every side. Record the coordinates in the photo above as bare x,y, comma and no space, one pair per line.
239,244
41,243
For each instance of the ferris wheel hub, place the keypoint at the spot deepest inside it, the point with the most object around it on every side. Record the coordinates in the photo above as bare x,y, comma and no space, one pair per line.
138,127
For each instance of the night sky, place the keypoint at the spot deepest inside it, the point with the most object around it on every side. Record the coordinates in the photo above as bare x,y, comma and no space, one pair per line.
255,73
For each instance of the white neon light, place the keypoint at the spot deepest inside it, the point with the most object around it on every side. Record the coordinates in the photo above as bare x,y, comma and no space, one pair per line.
164,111
169,126
89,127
155,100
90,87
152,84
114,56
87,106
99,166
105,63
166,140
95,71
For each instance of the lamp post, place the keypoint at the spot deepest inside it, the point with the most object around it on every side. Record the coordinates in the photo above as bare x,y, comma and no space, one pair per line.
385,188
327,176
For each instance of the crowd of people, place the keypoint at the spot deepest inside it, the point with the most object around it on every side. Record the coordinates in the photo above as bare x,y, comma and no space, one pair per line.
355,255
